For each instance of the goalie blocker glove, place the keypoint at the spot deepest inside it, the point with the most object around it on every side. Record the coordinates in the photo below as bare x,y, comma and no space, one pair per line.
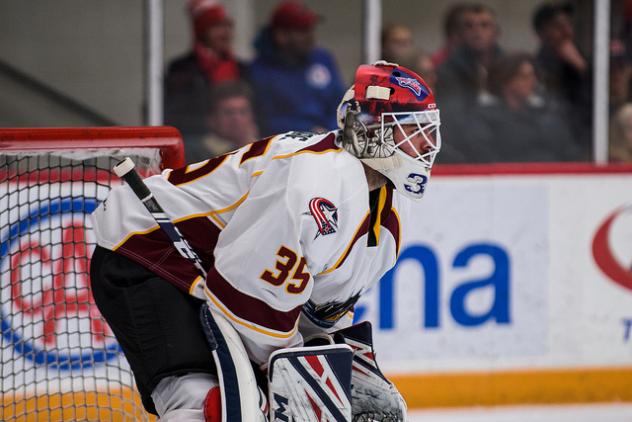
374,398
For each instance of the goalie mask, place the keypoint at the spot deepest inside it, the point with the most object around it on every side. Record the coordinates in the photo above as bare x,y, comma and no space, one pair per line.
390,121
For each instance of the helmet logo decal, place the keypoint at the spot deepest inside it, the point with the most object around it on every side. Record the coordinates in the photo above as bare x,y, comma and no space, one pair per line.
416,183
326,215
410,83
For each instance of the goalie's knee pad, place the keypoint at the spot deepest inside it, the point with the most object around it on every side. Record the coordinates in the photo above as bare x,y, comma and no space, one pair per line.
310,384
240,396
213,405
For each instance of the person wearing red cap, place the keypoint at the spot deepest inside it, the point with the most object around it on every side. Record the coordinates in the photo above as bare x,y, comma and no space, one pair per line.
296,84
209,62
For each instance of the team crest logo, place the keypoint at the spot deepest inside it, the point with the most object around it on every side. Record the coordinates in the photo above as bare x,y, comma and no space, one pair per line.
411,83
326,215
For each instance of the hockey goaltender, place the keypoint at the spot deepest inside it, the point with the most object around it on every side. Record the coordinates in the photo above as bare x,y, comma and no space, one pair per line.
290,230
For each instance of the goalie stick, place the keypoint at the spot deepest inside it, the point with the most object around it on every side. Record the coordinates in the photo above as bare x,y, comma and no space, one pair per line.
232,409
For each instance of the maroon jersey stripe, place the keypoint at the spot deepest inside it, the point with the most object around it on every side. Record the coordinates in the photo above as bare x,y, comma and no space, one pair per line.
324,145
181,175
391,223
250,308
154,251
364,229
256,149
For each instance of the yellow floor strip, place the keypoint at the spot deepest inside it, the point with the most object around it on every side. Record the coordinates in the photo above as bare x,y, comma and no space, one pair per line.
582,385
516,387
119,405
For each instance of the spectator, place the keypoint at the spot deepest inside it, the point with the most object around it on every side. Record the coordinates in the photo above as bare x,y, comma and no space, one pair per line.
452,27
565,71
231,120
397,44
423,65
296,85
562,65
462,78
518,125
620,149
398,47
620,75
209,62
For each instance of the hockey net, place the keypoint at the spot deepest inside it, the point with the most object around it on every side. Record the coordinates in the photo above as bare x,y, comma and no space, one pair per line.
59,360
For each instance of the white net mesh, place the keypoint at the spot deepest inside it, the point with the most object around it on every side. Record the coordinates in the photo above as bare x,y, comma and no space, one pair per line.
58,358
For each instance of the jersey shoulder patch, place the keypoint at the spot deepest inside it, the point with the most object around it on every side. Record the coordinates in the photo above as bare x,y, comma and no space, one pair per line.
325,213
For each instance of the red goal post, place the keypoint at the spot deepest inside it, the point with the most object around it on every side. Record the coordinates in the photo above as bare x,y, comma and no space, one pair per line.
58,358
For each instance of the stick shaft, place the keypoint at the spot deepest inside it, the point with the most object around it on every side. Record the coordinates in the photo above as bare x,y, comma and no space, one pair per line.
126,171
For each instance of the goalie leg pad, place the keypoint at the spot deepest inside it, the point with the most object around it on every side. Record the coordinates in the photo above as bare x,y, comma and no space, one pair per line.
241,398
310,384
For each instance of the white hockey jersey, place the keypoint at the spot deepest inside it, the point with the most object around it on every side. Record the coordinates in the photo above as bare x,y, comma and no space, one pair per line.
286,227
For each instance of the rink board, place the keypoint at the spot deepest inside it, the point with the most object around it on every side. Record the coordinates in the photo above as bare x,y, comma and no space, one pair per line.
513,286
505,292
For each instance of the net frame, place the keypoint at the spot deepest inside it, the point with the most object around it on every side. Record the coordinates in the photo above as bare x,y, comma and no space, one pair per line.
42,386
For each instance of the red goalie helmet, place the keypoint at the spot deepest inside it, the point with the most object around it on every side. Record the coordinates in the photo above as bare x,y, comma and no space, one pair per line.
387,87
390,121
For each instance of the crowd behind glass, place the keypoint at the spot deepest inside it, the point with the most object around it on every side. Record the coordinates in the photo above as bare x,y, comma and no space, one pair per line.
496,105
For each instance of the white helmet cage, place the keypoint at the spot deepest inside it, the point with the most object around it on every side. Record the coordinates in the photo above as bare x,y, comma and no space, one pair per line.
407,161
363,140
419,125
